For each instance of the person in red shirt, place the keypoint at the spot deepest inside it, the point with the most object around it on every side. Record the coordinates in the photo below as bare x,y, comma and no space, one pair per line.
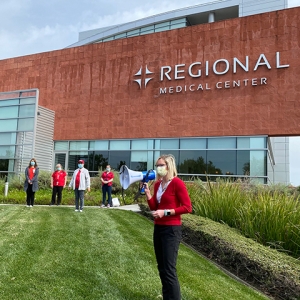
31,181
107,178
58,182
169,201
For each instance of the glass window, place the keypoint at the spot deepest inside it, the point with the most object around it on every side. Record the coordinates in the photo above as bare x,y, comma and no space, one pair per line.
8,138
157,154
258,163
133,32
108,39
147,28
98,160
74,156
139,145
61,146
8,125
243,162
192,162
243,142
9,102
7,151
165,28
121,35
222,143
146,32
26,124
193,144
9,112
157,144
181,25
139,156
221,162
26,149
99,145
163,24
3,167
60,158
169,144
28,101
138,166
181,20
27,111
119,158
150,144
258,143
79,145
117,145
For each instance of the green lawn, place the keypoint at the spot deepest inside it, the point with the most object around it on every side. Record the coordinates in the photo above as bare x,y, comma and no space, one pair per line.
56,253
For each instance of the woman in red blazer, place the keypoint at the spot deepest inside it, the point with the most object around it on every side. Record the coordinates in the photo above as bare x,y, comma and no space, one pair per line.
169,201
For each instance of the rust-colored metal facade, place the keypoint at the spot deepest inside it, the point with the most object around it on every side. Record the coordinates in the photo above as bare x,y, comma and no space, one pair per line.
249,82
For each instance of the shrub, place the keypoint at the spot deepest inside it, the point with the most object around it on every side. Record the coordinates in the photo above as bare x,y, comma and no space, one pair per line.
268,214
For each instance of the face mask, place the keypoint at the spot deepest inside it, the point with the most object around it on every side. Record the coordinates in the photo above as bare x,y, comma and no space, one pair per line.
80,166
32,163
58,169
108,169
162,171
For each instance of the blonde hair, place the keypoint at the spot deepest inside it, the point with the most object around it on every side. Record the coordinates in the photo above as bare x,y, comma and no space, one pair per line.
170,162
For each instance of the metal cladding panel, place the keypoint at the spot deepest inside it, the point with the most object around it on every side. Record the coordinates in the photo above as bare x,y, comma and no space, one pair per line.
24,150
256,7
43,150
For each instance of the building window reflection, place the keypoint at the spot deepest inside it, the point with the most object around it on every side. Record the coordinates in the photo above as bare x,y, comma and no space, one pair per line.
223,157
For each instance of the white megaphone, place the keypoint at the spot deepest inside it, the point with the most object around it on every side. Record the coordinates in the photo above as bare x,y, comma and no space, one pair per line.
127,177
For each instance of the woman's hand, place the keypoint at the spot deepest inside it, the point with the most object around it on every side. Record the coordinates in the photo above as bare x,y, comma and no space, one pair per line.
147,190
158,213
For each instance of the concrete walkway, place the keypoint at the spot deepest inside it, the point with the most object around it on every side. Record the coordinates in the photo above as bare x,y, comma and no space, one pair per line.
132,207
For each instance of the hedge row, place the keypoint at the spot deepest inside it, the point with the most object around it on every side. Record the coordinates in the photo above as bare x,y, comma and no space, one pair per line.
274,273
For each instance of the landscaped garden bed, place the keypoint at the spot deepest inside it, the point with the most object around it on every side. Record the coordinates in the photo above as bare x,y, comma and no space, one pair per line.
275,274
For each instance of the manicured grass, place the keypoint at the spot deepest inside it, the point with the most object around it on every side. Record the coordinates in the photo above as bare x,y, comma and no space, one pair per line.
56,253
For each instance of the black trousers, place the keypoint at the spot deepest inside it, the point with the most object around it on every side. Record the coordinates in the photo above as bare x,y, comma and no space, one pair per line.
56,190
166,241
30,195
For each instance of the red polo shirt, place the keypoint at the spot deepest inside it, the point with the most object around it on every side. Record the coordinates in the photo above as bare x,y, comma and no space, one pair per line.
107,176
59,178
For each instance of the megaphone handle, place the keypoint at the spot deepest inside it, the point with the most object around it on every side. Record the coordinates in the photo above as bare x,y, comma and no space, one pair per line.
142,189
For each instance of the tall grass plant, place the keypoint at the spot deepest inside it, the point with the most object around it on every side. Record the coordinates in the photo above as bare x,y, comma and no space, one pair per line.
267,214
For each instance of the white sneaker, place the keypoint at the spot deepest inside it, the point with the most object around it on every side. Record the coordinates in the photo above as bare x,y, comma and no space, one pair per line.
31,205
81,210
108,206
27,206
102,205
76,210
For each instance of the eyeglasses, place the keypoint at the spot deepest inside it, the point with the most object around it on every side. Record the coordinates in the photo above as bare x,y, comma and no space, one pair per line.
160,165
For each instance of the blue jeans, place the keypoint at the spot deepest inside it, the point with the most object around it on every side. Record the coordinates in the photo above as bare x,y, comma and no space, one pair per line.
79,199
166,241
106,190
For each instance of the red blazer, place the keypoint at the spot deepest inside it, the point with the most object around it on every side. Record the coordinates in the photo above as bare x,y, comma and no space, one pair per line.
175,197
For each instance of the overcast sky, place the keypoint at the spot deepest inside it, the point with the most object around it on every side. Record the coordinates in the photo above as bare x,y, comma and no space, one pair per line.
33,26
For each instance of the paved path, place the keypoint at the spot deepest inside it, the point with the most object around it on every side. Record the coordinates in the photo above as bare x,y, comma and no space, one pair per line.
132,207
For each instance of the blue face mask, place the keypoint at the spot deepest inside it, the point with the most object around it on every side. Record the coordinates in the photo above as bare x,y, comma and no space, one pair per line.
32,163
80,166
58,169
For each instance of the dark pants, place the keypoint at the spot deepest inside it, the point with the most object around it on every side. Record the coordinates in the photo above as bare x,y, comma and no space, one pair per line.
79,199
30,195
106,189
166,241
56,190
